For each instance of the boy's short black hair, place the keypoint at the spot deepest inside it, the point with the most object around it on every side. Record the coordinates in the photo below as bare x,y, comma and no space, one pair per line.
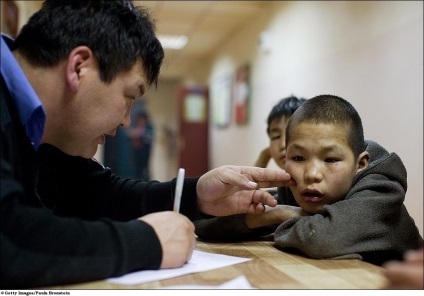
285,107
331,109
116,31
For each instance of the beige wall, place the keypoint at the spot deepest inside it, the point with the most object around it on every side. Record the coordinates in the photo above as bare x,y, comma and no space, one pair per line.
369,52
26,9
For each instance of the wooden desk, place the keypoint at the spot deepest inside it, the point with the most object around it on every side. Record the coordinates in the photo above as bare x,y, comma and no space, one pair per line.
270,268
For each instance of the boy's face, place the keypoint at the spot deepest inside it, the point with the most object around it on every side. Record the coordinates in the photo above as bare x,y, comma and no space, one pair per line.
277,139
323,165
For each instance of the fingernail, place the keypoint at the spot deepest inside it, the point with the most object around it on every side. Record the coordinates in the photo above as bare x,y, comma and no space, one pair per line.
252,184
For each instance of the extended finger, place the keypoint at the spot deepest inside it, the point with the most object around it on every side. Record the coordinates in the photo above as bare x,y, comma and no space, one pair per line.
266,178
264,198
255,208
233,175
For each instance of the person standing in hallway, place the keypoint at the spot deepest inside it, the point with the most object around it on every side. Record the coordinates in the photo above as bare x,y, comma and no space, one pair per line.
142,138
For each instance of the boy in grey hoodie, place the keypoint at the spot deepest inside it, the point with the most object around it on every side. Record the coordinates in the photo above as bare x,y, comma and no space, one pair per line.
348,198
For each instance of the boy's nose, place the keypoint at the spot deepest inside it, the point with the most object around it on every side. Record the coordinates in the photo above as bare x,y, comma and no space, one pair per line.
313,173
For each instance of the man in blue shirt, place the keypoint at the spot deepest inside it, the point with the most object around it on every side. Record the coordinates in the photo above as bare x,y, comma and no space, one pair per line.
29,107
68,80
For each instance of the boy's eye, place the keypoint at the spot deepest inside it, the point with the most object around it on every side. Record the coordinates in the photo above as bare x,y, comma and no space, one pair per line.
273,138
297,158
330,160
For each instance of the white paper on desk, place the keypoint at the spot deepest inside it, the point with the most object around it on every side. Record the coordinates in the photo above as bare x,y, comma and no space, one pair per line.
238,283
200,261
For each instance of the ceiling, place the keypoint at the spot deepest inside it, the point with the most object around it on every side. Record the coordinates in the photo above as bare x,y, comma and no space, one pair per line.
208,25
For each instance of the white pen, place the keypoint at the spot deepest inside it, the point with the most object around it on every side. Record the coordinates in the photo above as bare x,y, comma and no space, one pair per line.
179,190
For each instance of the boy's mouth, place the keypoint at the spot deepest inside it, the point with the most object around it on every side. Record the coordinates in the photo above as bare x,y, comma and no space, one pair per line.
311,195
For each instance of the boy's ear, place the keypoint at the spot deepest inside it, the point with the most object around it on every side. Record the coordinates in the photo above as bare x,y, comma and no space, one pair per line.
79,59
363,161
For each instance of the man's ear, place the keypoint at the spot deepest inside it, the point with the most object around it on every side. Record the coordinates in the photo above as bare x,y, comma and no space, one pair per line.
363,161
79,59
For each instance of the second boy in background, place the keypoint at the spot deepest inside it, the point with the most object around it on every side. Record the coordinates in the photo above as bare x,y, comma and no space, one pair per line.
276,129
348,198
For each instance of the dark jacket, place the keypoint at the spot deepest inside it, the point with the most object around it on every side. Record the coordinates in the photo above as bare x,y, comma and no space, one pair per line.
68,219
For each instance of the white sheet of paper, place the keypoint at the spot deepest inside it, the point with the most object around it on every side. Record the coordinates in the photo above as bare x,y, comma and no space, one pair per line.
200,261
238,283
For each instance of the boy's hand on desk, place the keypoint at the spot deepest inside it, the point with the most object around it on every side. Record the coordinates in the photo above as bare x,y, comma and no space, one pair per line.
230,190
176,236
277,215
